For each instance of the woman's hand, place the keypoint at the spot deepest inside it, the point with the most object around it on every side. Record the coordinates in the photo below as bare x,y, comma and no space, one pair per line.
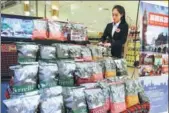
107,44
100,43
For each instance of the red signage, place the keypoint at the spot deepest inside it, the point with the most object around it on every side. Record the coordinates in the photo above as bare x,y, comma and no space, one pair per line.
156,19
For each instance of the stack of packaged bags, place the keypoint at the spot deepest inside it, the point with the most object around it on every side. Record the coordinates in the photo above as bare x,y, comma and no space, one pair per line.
68,78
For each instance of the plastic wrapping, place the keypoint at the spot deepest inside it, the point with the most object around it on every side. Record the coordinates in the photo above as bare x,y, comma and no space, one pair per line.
110,67
75,51
27,52
78,33
121,65
106,92
40,29
47,52
25,77
74,99
22,105
86,54
96,52
62,50
83,72
48,74
132,89
95,100
117,98
66,72
97,73
58,30
51,100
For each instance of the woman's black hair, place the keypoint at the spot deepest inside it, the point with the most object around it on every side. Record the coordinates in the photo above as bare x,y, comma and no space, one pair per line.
121,10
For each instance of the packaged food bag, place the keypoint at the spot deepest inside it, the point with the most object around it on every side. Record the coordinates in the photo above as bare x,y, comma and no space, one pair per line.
83,73
97,73
78,33
74,100
131,92
47,52
86,54
52,105
96,52
48,73
62,50
164,69
58,30
66,72
121,67
146,58
110,67
117,98
95,100
106,92
27,26
146,70
51,91
157,70
40,31
27,52
27,104
75,51
25,77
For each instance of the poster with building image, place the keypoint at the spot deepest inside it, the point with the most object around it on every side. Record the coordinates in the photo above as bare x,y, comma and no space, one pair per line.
153,27
153,37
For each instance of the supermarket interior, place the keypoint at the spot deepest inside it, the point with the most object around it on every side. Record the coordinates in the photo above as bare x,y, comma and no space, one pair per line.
84,56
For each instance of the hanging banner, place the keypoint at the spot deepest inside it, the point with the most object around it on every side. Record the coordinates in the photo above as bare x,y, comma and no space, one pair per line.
156,88
153,27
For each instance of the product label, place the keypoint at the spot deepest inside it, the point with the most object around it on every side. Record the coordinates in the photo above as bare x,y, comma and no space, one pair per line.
24,88
97,77
66,82
109,74
48,84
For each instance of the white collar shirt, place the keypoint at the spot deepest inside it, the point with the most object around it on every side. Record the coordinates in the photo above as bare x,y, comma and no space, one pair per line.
115,26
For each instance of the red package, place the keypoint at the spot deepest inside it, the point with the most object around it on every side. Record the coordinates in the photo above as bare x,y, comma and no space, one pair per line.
58,30
40,30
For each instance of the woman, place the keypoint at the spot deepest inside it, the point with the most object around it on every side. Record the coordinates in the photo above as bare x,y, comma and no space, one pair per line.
116,32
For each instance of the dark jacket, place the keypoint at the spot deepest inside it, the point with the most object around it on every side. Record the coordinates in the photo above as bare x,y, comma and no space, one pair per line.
118,39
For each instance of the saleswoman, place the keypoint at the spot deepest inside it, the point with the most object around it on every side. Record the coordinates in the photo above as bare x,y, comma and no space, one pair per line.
116,32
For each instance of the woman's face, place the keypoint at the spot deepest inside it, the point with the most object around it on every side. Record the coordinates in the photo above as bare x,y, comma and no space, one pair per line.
116,16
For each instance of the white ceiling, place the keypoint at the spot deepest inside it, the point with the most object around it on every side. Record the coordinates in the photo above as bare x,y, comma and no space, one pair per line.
86,12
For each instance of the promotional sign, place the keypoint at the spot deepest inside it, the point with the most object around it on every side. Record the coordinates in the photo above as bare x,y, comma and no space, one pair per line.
153,27
156,88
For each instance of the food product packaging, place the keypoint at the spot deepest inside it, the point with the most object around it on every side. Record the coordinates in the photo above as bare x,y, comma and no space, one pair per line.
83,73
117,98
25,77
62,50
86,54
96,52
78,32
95,100
48,73
27,52
58,30
66,72
47,52
110,67
27,104
74,100
121,67
97,73
131,92
75,51
40,31
51,100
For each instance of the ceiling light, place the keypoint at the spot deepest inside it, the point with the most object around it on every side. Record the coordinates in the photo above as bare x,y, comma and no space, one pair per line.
100,8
